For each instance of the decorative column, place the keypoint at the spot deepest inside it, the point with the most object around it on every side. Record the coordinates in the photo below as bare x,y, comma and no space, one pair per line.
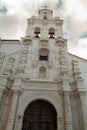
3,82
67,112
34,65
60,123
50,65
64,72
80,95
62,44
12,112
0,95
5,86
2,56
60,118
83,100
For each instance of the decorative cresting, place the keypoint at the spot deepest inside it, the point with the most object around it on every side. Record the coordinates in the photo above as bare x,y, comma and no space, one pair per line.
40,115
2,56
24,52
77,75
62,56
64,72
79,95
9,66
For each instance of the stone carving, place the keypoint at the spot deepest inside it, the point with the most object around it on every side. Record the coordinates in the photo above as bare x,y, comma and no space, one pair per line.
9,66
34,64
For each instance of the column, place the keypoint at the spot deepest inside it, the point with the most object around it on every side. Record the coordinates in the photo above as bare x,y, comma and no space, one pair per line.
83,99
60,123
67,112
50,76
42,32
1,93
12,112
60,118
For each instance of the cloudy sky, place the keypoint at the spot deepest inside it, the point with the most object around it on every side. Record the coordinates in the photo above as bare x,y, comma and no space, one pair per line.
13,15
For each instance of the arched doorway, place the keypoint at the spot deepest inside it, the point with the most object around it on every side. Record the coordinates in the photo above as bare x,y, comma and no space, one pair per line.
40,115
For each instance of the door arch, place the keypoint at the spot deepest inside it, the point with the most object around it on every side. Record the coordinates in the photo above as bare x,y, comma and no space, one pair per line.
40,115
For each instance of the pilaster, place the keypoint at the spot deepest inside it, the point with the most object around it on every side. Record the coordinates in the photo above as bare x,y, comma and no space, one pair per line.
83,101
11,118
67,111
60,123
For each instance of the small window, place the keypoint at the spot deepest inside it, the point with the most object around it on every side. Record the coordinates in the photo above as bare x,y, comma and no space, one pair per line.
42,73
43,54
43,58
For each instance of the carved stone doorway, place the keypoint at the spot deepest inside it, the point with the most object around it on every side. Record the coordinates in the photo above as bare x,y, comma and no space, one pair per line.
40,115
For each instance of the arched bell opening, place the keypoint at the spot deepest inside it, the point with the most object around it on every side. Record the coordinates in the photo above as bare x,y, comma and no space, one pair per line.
40,115
37,32
51,33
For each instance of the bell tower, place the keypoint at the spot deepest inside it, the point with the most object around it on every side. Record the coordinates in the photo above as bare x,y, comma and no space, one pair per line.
48,44
45,25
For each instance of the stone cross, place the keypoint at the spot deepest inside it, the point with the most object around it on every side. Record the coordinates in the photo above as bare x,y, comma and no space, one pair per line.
45,6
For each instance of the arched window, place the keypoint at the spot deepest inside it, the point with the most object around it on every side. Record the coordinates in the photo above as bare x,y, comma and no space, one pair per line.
43,54
51,33
42,72
37,32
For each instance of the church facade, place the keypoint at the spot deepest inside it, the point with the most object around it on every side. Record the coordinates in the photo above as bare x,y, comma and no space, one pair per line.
42,86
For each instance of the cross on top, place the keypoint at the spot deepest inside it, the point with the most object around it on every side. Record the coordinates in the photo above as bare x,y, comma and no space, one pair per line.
45,6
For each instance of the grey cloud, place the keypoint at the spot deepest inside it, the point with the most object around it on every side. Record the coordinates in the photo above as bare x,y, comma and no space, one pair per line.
84,35
9,25
3,10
